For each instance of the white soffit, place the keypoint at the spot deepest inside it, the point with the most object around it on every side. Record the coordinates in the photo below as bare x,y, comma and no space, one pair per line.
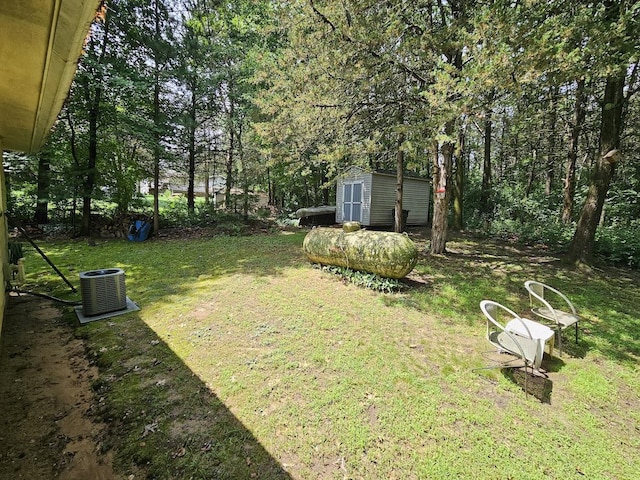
40,43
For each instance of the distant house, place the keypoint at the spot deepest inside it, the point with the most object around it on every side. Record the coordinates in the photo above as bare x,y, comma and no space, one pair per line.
178,184
369,197
256,199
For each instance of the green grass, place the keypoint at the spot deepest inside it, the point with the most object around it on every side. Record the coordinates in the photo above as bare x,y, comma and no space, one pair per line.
246,362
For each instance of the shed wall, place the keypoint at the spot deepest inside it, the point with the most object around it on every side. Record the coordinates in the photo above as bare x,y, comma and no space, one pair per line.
379,197
383,200
415,198
355,174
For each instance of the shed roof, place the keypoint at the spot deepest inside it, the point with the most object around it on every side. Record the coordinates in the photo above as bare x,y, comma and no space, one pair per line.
349,171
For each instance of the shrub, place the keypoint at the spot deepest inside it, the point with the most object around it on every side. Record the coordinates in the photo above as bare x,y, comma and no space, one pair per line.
551,234
364,279
619,244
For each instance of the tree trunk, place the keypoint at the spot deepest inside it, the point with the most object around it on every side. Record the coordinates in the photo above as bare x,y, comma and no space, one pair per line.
551,152
485,192
442,168
74,207
581,248
74,156
441,173
157,127
325,188
572,157
245,177
207,178
44,182
229,166
532,173
156,151
398,223
90,179
272,193
191,194
503,150
458,186
93,111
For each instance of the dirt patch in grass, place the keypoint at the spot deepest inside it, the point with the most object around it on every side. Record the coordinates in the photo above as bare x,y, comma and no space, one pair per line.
46,401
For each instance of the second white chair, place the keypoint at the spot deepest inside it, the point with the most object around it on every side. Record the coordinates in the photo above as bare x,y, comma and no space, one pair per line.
561,316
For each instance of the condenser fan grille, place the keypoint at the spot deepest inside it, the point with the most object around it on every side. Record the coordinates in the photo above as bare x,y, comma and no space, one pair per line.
103,291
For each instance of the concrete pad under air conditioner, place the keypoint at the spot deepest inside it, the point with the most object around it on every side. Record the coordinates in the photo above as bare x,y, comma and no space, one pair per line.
130,307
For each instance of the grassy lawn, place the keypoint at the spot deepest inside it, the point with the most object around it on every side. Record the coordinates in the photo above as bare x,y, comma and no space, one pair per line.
245,361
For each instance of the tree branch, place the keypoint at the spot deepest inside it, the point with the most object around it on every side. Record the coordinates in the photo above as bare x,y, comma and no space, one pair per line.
72,137
322,16
633,78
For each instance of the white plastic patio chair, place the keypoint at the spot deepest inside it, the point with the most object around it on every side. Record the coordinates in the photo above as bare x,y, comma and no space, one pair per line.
519,337
561,316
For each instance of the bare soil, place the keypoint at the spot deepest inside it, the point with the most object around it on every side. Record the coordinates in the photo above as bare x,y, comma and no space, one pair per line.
47,429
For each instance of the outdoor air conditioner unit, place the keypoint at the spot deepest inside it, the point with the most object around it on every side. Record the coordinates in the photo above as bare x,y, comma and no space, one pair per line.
103,291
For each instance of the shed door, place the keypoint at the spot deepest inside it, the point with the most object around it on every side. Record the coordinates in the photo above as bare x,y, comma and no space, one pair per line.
352,204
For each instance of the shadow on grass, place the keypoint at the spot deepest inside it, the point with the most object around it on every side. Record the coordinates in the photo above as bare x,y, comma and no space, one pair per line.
474,269
163,420
537,385
571,349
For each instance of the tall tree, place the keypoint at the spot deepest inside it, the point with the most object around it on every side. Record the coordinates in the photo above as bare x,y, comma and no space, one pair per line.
197,72
576,127
398,224
442,165
161,54
44,182
485,190
552,154
452,34
147,30
89,88
459,180
620,22
581,248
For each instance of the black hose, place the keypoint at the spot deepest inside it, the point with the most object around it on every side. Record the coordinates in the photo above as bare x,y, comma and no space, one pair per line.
48,297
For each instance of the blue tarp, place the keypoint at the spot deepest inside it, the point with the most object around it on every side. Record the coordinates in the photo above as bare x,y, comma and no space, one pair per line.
139,231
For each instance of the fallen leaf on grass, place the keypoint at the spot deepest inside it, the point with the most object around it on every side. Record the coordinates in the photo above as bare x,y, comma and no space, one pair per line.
181,452
151,428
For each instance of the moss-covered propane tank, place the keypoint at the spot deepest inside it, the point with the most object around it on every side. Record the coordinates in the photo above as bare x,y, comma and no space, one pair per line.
391,255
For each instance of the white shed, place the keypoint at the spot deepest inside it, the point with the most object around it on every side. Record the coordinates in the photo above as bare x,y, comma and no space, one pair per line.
369,198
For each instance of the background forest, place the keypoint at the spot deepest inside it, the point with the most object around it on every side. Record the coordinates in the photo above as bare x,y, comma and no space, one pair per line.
523,113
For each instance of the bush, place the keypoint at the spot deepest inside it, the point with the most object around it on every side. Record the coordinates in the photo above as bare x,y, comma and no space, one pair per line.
21,206
614,244
364,279
619,244
551,234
